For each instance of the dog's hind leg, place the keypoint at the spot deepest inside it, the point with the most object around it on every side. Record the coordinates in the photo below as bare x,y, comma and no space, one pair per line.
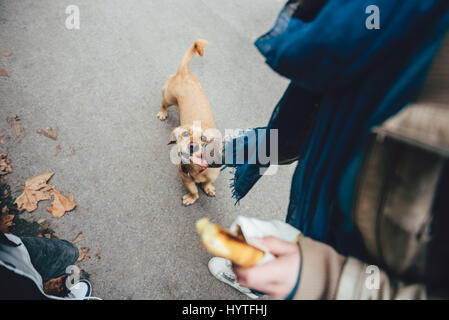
163,114
166,102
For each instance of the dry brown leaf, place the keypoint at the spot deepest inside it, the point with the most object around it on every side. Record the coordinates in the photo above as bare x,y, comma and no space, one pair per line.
36,189
50,133
56,287
3,73
5,164
78,238
61,204
28,199
5,53
15,123
58,149
37,182
83,254
6,220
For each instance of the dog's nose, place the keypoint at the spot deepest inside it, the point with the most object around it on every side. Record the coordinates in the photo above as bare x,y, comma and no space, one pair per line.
194,147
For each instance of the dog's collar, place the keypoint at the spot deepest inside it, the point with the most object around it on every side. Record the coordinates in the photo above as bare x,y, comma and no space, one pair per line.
186,172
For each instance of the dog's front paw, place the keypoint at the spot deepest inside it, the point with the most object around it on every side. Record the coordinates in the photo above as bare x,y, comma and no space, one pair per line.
209,189
189,199
162,115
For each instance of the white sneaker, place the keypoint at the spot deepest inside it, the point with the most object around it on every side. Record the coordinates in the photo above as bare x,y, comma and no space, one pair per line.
222,270
80,291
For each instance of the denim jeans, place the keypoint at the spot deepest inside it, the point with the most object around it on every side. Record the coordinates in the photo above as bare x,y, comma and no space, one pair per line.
50,257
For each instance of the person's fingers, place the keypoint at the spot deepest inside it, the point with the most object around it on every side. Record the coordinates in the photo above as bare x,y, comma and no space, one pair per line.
275,245
267,273
248,277
275,278
269,279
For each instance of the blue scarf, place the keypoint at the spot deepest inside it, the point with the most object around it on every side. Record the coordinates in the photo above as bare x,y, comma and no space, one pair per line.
345,80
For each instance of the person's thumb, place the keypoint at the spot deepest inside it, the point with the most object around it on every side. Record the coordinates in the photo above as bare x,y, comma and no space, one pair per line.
275,245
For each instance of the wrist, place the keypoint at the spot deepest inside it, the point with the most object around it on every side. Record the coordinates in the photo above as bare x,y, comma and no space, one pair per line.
320,270
292,293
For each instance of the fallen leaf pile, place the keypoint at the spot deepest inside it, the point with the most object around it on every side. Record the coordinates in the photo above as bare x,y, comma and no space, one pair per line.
5,164
9,217
37,189
50,133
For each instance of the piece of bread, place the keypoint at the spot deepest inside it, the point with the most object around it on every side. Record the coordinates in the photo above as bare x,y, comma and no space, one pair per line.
223,243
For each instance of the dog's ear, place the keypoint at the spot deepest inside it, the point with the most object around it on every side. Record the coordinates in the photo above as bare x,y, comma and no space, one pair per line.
172,139
173,136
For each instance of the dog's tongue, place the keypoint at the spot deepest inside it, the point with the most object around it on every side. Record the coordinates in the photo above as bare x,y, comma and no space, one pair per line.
197,159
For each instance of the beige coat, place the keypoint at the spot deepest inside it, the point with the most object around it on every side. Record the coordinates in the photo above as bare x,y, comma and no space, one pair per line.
394,208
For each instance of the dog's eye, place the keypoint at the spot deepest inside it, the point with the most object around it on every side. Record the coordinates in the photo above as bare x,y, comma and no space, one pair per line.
203,138
185,134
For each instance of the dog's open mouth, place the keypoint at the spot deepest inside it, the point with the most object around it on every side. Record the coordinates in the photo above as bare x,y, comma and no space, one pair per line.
198,159
205,156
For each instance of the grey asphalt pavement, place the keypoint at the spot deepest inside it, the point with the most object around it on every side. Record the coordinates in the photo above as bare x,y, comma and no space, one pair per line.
99,87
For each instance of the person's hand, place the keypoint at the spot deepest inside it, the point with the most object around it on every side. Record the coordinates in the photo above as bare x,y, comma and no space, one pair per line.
278,277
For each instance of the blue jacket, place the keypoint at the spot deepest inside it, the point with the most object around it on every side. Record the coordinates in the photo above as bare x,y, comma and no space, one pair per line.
345,80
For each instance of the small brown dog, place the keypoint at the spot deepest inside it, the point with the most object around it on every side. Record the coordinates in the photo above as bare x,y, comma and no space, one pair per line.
197,127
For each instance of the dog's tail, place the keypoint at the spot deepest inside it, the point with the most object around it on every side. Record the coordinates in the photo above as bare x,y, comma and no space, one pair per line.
198,46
